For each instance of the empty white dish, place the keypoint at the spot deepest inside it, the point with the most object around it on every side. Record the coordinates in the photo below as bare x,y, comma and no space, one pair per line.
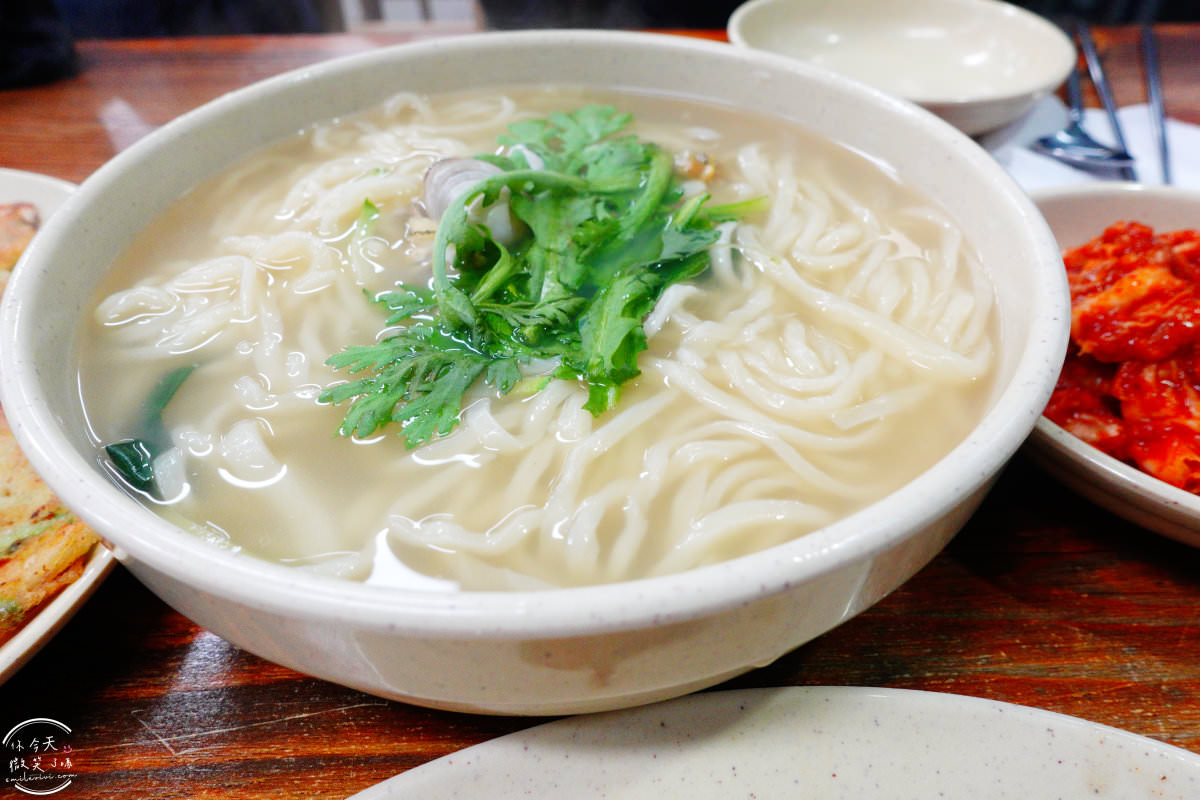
979,64
817,742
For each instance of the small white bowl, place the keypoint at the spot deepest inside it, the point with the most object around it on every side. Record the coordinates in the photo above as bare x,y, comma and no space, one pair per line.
1077,214
978,64
557,651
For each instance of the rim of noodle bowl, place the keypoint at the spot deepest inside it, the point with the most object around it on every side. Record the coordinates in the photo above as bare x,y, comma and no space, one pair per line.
151,540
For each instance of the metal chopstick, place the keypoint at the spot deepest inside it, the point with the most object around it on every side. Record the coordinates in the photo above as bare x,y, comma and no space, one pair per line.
1158,114
1100,81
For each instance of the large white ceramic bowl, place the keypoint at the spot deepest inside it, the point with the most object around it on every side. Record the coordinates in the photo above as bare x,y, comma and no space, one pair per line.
1077,214
979,64
559,651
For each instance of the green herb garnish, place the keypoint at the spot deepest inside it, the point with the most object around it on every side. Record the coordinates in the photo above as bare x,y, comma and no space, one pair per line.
608,232
133,458
11,611
17,532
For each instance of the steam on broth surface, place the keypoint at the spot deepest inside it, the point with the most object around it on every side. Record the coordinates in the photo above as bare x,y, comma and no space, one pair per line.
838,345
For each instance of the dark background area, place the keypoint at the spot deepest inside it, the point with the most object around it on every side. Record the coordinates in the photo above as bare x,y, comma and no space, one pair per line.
37,36
86,19
714,13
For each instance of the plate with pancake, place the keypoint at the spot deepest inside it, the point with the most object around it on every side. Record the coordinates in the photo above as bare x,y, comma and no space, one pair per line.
49,561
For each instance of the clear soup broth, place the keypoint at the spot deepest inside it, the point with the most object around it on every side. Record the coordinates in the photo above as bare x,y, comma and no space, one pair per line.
838,344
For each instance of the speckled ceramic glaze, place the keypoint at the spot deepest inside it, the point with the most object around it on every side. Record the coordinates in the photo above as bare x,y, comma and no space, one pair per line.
1077,214
567,650
979,64
821,743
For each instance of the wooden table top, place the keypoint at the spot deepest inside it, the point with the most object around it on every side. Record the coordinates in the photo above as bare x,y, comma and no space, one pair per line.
1042,600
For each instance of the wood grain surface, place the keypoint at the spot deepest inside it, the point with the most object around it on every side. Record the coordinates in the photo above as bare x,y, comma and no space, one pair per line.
1042,600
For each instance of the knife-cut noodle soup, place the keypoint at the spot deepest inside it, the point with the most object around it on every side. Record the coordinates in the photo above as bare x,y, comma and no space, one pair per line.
836,345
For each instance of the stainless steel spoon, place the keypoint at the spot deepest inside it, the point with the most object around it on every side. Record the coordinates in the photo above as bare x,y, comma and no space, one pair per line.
1074,145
